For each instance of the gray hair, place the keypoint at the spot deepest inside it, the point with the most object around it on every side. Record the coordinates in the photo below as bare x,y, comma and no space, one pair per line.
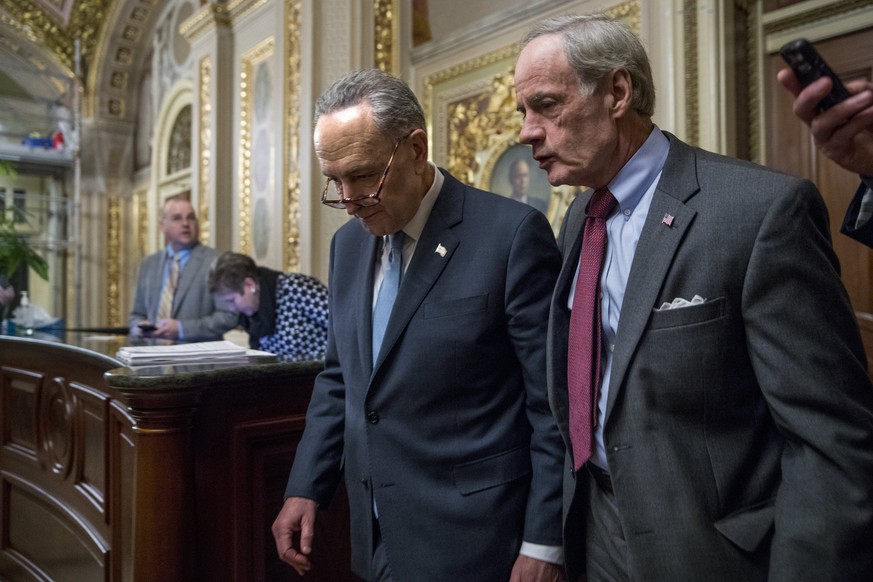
395,109
595,45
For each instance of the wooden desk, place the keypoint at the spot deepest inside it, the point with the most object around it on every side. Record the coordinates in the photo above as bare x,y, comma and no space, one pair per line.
162,473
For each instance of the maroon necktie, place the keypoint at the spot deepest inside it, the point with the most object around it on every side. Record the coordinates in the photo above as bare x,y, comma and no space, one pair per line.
583,355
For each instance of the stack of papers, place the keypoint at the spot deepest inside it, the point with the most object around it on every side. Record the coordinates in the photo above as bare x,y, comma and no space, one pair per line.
195,352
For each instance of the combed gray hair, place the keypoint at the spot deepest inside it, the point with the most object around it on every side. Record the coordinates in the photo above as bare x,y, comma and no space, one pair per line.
395,108
595,45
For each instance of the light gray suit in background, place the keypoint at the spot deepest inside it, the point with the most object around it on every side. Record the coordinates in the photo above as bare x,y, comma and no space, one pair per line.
193,304
739,432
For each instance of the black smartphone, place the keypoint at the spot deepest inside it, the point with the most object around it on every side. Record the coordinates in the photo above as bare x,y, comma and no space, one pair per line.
809,66
146,327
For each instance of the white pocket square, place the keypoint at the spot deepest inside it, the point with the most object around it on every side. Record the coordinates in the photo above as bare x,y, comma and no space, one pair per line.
679,302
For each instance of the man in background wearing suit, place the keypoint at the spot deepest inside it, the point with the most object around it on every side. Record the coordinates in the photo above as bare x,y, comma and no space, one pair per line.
437,415
172,288
732,436
519,180
844,133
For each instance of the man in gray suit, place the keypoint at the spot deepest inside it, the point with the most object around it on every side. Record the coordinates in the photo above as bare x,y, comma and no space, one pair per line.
442,430
732,438
191,313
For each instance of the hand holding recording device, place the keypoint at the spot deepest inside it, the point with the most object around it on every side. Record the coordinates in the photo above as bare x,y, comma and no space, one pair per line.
146,327
809,66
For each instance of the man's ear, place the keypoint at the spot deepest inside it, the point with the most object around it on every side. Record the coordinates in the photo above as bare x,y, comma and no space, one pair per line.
621,89
418,140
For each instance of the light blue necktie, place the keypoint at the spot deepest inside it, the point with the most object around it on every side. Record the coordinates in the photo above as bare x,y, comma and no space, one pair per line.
388,290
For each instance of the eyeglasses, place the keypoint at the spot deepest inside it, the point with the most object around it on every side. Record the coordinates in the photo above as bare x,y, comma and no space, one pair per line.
335,198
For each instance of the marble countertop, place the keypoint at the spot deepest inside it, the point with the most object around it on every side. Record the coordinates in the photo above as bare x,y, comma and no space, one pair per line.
106,345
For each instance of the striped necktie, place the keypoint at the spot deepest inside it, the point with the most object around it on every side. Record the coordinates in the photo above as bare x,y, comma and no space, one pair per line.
165,307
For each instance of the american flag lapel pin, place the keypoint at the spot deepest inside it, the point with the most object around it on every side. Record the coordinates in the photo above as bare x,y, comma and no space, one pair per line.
668,220
440,250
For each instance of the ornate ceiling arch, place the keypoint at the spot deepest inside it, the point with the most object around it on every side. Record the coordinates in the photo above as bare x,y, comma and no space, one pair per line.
114,42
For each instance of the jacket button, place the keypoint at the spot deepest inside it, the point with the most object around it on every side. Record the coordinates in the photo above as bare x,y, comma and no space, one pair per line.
373,417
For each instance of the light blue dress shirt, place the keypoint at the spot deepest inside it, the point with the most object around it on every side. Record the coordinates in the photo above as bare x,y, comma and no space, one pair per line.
633,188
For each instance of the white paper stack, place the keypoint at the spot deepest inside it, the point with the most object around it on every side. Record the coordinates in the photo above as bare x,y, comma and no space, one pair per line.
193,352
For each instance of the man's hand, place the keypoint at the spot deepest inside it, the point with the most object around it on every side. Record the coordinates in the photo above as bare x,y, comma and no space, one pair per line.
527,569
297,515
844,133
167,329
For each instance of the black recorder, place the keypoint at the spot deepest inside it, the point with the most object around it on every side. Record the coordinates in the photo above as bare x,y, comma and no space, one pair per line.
809,66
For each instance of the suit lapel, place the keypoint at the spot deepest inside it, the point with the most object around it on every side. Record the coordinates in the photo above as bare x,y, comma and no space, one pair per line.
656,249
427,264
366,266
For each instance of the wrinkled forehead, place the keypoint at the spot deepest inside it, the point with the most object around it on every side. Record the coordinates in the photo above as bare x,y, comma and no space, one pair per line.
349,141
346,132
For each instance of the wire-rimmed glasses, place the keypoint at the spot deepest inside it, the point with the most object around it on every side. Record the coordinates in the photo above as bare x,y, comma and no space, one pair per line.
335,199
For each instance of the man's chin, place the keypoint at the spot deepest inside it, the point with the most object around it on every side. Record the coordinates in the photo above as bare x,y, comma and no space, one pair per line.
373,228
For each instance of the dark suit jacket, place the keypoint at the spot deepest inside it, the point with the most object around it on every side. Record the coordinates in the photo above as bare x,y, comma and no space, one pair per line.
452,431
863,234
193,304
739,432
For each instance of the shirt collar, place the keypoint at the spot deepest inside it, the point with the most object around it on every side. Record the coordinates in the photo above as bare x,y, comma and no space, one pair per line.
183,254
415,227
637,175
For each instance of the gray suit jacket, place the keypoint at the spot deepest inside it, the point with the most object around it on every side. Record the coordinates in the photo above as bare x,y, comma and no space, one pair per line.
451,432
739,432
193,304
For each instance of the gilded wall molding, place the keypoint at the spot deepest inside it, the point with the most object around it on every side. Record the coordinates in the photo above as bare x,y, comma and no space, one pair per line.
629,12
460,69
238,9
117,59
249,59
205,21
113,259
205,148
752,48
141,201
692,76
291,175
794,17
386,37
86,19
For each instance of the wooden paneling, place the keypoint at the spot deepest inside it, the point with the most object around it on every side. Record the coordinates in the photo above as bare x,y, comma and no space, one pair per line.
790,149
167,476
53,471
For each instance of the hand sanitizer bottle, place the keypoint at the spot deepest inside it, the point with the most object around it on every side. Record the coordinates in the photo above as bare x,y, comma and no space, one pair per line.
26,313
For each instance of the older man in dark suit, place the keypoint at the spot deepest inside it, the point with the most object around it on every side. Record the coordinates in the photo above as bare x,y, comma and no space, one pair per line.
435,409
705,366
